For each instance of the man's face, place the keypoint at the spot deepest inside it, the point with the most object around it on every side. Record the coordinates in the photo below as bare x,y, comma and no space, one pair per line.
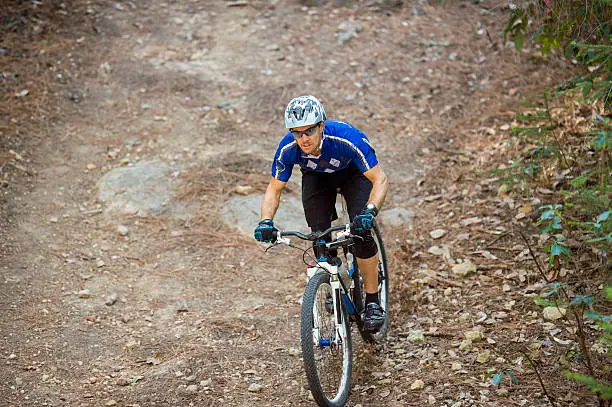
308,137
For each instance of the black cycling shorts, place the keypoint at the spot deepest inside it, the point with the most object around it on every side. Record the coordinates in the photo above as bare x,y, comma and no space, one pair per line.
319,191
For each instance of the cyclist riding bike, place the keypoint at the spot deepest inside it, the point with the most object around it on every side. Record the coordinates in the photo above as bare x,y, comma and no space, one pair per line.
332,156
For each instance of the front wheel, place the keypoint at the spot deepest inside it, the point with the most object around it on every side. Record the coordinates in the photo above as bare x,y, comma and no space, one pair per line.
326,346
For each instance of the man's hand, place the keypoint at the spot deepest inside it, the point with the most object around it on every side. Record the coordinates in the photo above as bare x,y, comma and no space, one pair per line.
364,221
265,231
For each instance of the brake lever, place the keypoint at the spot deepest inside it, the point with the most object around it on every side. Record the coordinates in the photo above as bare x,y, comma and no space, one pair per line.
284,240
355,236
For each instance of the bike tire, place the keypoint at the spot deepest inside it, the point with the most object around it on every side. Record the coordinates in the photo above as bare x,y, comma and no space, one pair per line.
328,368
383,291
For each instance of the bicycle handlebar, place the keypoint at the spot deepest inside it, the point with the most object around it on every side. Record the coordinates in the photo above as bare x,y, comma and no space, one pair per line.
311,236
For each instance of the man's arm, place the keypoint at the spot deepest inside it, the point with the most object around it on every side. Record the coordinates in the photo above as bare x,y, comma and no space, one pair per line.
272,198
380,185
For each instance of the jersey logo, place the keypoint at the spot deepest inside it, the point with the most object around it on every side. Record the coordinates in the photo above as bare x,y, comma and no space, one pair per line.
311,164
329,170
334,162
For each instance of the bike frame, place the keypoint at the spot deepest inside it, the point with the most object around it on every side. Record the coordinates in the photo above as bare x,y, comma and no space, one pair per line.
333,300
340,294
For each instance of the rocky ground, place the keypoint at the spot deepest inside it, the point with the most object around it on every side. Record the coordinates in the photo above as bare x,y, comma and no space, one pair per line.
135,145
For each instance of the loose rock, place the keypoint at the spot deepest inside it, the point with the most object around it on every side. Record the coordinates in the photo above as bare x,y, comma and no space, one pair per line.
464,269
123,230
437,233
435,250
503,190
255,387
243,190
111,299
350,31
553,313
483,357
502,392
22,93
123,381
396,216
416,336
465,345
417,385
474,336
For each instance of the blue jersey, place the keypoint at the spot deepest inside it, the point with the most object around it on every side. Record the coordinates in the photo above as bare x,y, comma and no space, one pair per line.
343,145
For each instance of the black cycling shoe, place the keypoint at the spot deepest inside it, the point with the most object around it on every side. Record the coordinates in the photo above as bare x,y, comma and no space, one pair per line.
374,317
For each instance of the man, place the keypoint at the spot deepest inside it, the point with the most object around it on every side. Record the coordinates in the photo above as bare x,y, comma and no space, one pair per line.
332,155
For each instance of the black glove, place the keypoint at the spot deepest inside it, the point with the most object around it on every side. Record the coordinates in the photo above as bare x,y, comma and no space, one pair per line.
364,222
265,231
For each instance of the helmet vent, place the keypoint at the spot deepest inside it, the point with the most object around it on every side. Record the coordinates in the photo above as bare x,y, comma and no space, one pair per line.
304,111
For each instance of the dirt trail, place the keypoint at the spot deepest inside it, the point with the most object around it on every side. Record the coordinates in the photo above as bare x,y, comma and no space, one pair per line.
199,313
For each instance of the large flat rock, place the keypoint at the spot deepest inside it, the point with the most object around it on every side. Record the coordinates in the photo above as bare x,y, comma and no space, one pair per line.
146,188
243,212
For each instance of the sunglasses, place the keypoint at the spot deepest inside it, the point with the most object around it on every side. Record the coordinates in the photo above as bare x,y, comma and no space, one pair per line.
308,132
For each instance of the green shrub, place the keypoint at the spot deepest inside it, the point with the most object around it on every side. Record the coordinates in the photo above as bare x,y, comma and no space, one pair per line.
582,29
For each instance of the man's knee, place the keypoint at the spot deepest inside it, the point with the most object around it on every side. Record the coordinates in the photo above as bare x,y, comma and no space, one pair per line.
366,248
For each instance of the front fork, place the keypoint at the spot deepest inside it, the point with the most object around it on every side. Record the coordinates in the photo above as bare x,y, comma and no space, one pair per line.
340,328
341,333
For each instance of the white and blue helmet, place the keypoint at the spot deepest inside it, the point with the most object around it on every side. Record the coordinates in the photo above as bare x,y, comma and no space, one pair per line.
304,111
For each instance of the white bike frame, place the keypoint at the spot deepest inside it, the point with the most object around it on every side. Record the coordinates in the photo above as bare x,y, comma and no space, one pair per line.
337,292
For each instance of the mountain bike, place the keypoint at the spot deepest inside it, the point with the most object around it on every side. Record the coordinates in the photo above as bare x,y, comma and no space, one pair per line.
334,300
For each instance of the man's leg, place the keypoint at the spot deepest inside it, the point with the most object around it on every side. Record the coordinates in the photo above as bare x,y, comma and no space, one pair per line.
369,270
374,315
356,190
318,200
